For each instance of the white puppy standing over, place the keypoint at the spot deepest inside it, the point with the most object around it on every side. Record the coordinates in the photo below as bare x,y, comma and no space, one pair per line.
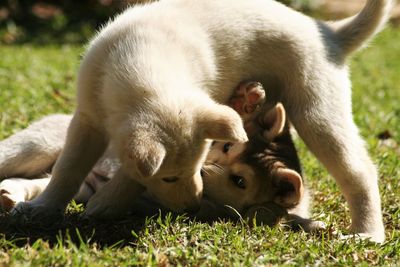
148,81
148,104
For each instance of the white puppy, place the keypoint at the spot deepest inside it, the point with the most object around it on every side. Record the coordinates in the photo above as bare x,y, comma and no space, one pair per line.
149,80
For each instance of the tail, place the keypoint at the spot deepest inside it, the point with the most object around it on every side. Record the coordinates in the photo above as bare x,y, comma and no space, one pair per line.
354,32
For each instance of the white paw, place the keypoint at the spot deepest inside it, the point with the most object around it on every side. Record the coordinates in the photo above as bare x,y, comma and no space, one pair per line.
9,197
314,226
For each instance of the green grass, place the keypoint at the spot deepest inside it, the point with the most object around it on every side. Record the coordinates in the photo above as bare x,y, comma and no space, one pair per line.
35,81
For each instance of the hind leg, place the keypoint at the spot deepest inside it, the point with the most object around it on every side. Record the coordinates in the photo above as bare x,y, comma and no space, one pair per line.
32,151
325,124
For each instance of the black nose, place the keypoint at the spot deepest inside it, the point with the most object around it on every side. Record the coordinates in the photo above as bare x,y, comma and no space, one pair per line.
193,209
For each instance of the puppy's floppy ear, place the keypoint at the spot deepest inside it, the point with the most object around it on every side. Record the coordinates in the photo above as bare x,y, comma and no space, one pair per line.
273,122
289,187
221,123
146,153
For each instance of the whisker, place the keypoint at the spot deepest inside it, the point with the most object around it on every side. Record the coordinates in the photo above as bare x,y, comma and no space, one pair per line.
218,166
212,168
205,170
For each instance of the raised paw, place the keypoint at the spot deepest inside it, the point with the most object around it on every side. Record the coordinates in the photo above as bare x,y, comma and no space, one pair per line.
248,97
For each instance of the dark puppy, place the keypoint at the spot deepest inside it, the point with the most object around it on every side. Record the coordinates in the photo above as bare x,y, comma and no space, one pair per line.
261,178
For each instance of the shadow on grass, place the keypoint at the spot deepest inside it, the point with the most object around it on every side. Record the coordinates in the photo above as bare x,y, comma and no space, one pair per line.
74,228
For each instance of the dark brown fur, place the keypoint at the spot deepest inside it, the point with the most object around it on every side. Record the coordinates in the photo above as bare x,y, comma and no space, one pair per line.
266,157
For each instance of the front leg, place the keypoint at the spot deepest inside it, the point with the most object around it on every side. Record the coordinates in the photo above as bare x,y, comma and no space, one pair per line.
115,198
85,144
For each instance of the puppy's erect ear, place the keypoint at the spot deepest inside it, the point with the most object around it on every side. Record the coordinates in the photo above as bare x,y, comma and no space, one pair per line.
289,187
221,123
147,154
273,122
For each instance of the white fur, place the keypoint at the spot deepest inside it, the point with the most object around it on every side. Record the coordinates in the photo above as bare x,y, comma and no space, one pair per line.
40,136
154,61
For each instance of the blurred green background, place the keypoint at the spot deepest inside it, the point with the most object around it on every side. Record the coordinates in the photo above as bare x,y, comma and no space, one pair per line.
69,21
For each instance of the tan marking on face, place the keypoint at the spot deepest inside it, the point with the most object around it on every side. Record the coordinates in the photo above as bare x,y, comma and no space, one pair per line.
220,155
227,180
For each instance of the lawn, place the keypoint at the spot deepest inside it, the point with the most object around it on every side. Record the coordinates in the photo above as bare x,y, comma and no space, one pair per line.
39,80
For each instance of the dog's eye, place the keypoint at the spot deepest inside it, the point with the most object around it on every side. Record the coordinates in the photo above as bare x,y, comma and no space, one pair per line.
170,179
226,147
238,181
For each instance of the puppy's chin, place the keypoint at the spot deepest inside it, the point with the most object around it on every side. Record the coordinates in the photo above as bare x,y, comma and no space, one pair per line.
182,194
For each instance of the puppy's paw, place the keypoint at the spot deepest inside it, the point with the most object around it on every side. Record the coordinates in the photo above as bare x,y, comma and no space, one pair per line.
248,97
315,226
100,208
36,212
10,197
307,225
296,222
364,237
